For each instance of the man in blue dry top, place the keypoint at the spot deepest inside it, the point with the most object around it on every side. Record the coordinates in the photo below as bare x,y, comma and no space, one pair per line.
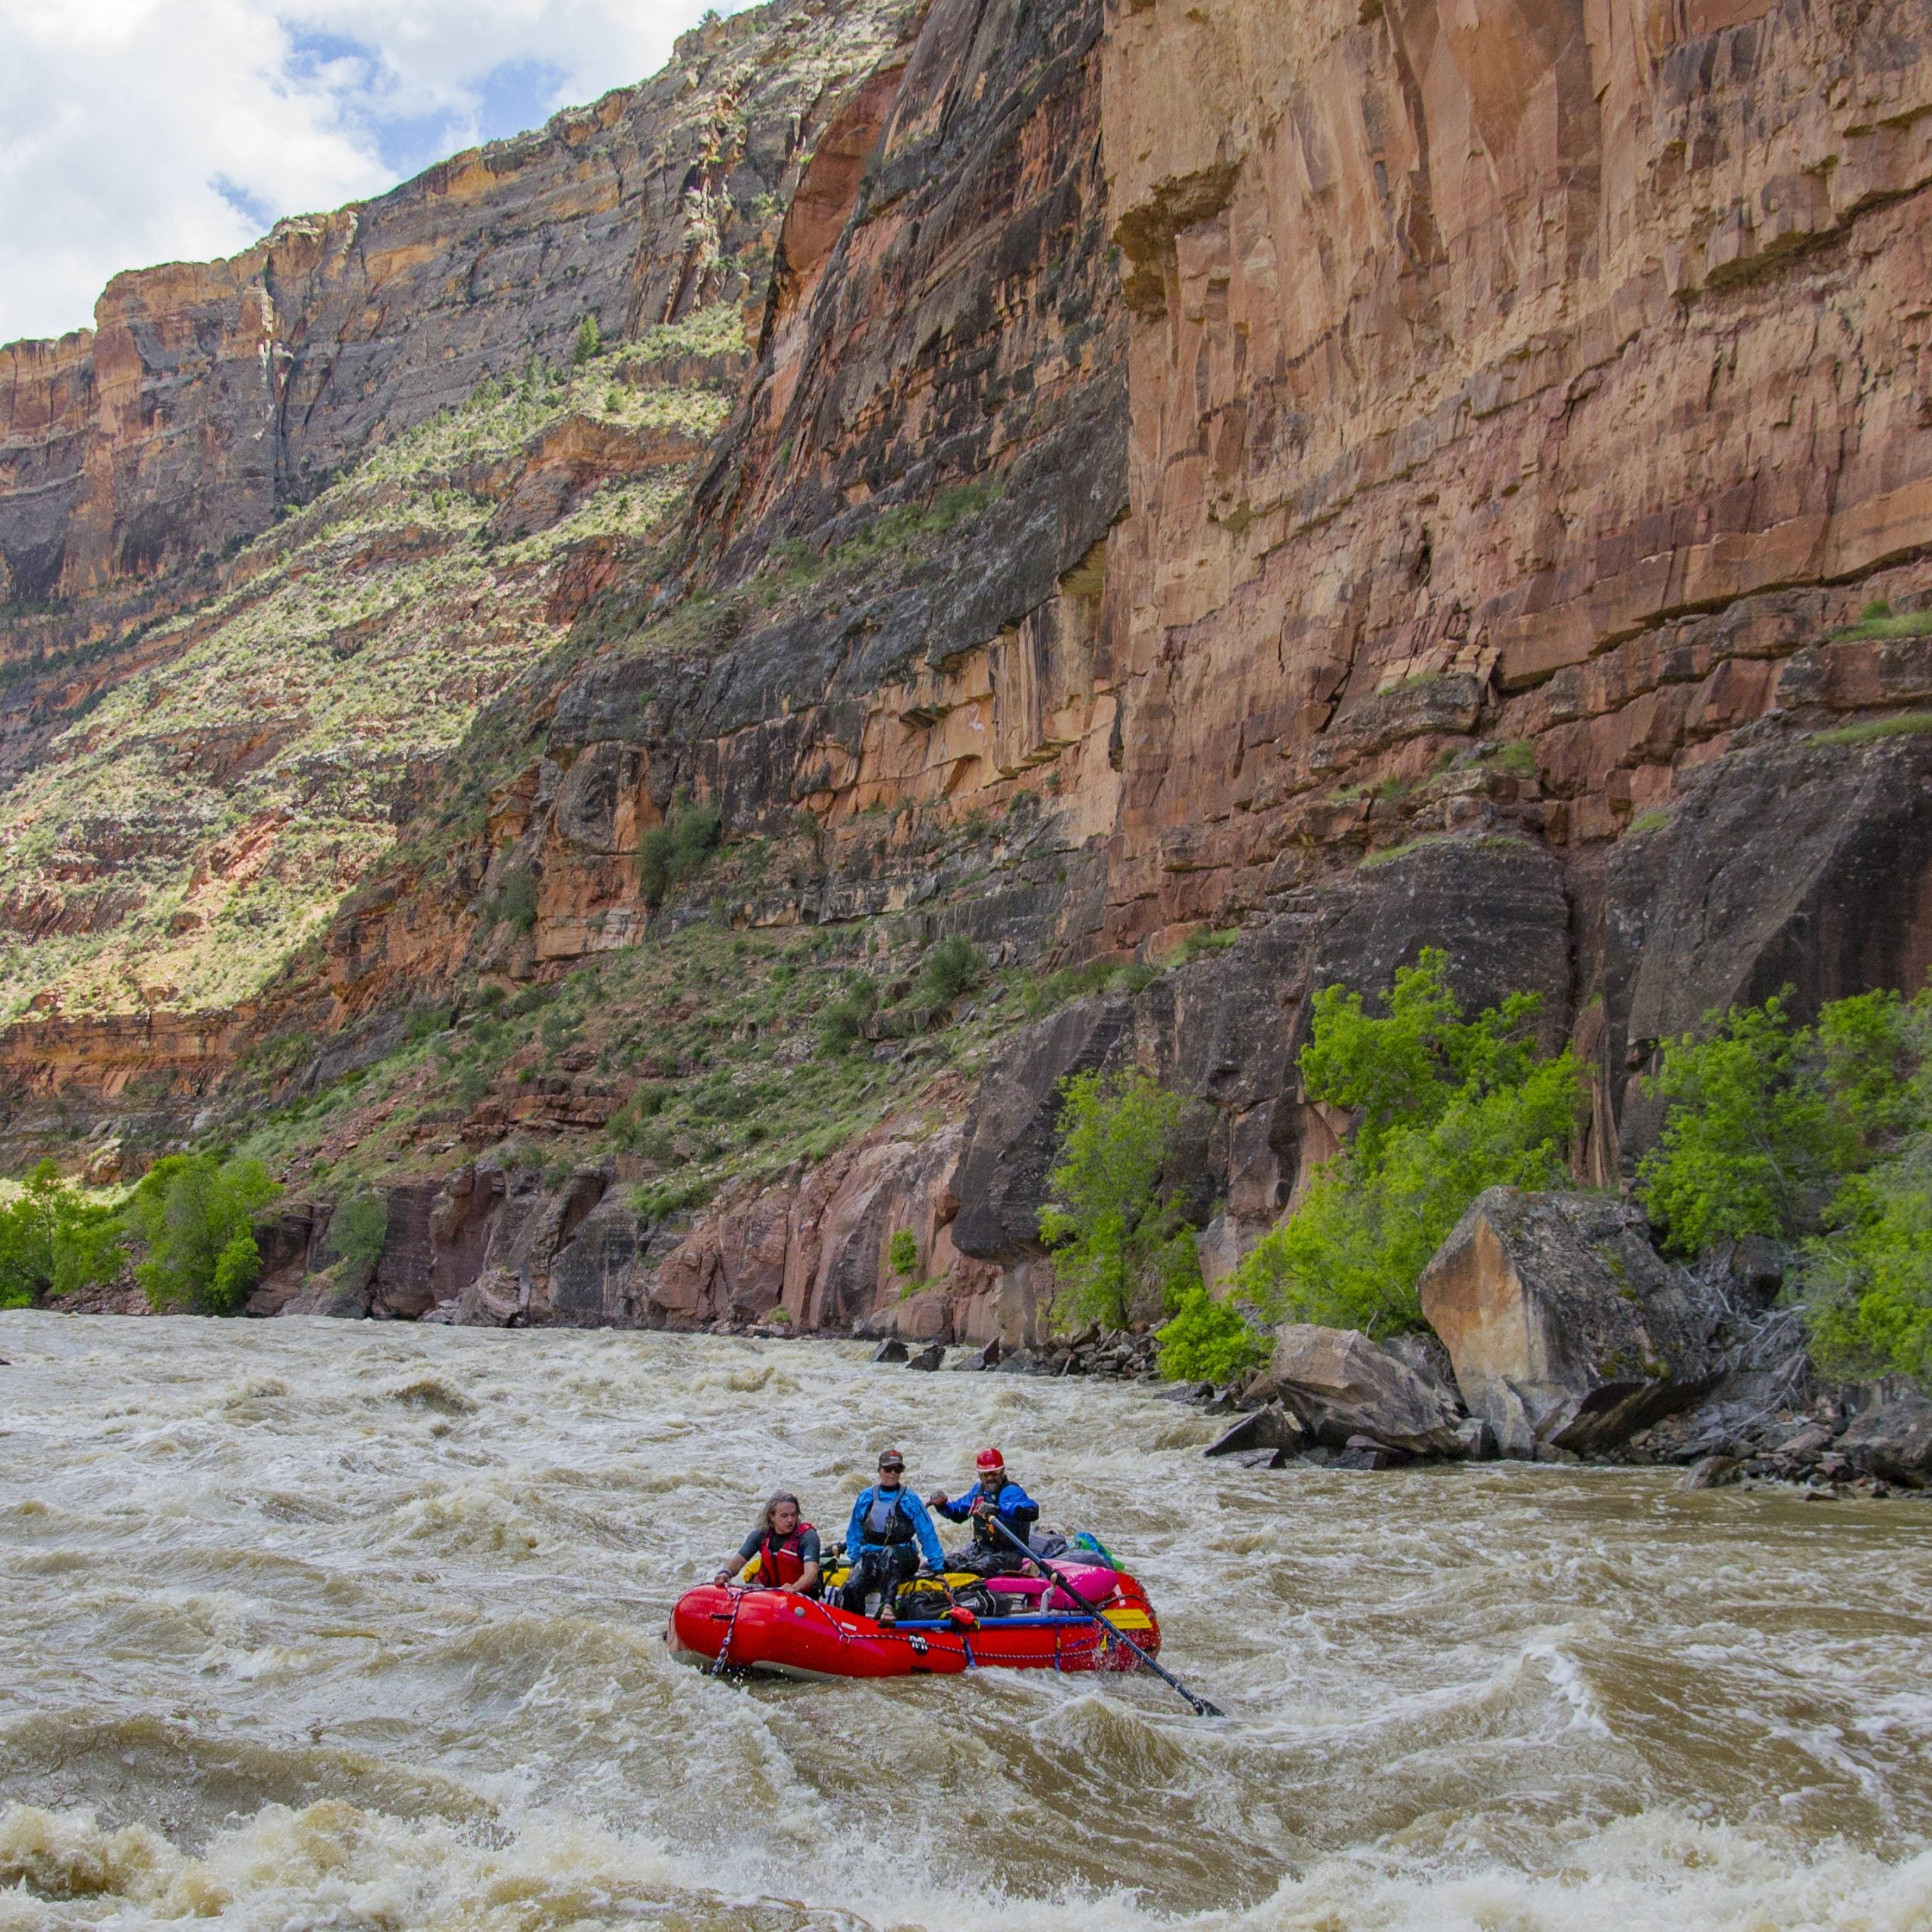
995,1497
889,1532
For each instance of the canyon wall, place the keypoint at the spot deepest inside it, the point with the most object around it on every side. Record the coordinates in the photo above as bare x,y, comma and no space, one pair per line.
206,395
1366,475
273,531
1546,376
895,597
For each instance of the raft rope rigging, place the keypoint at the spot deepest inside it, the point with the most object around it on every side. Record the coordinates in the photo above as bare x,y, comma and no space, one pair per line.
724,1649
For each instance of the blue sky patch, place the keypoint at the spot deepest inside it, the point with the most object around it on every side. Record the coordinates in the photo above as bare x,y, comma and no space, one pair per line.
260,214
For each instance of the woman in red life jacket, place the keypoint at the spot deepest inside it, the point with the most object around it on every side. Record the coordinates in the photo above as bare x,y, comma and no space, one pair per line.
786,1548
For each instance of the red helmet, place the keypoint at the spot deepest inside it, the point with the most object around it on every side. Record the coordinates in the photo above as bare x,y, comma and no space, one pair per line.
991,1459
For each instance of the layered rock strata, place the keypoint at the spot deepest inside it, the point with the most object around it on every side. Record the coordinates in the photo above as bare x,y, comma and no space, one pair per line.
1375,476
207,396
1497,370
187,795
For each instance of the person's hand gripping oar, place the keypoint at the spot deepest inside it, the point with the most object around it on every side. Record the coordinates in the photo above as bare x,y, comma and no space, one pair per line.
1202,1709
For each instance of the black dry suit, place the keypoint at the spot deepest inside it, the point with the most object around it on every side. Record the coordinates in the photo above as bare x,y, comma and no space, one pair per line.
989,1553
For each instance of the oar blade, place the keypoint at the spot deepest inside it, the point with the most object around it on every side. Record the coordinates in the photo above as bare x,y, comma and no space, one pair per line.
1201,1708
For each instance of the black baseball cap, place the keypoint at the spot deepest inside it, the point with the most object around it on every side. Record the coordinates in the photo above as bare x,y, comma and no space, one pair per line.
891,1459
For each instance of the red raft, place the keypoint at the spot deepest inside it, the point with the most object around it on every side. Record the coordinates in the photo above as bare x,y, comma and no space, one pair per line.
793,1636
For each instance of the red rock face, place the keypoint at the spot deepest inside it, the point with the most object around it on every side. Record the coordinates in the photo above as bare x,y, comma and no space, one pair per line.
1496,343
1236,439
207,394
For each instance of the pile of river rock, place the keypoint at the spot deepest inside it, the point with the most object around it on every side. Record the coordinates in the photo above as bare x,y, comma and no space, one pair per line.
1558,1334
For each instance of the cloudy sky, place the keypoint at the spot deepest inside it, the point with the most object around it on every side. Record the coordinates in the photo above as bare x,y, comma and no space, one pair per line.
137,131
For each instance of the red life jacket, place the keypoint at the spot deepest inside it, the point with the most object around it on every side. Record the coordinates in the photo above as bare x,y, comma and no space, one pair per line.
778,1558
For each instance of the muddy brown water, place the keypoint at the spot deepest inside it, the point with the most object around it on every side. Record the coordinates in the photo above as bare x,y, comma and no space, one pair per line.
308,1624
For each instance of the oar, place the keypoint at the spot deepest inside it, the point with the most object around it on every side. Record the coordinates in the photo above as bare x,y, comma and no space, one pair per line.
1202,1709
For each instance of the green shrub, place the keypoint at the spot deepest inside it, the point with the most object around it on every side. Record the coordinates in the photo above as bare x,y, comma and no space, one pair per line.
1447,1107
474,1079
634,1125
902,1253
1895,724
515,899
237,1268
1209,1340
838,1026
358,1227
1878,620
1116,1237
1069,982
589,343
1766,1118
952,968
190,1210
659,1201
1518,758
721,1098
841,1021
1205,940
53,1240
678,849
1868,1282
1819,1135
560,1029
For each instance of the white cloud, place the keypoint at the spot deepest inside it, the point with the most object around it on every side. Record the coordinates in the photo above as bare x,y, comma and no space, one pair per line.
138,131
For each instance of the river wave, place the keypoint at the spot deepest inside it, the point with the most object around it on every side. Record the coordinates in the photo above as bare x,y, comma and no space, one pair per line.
305,1624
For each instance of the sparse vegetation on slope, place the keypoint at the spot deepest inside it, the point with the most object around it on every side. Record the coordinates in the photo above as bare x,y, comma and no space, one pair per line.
204,818
695,1059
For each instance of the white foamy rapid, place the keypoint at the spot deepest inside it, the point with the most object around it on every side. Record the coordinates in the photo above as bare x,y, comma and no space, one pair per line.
310,1624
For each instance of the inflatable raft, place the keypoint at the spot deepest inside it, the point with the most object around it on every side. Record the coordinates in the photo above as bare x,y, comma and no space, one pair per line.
1037,1627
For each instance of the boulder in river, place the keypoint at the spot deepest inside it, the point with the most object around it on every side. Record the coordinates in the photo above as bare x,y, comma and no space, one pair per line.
1567,1329
891,1350
1890,1435
929,1358
1272,1428
1338,1384
1711,1472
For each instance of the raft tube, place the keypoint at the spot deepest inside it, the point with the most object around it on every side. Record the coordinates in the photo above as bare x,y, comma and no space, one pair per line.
789,1635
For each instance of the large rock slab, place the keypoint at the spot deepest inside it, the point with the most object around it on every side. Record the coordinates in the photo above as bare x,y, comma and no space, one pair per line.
1567,1328
1890,1436
1271,1429
1788,865
1013,1132
1338,1384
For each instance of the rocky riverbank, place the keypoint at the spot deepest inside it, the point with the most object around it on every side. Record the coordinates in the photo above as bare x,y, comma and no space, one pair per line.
1560,1335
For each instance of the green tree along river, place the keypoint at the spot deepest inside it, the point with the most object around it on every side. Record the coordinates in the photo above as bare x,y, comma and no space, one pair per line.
307,1624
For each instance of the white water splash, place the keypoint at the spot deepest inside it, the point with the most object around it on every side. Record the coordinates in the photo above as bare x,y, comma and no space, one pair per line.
305,1625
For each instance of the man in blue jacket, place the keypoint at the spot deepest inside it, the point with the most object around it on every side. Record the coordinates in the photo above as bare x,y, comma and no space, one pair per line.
889,1533
995,1497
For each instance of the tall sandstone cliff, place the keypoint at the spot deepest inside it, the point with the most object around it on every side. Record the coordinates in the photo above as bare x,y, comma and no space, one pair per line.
1369,476
209,395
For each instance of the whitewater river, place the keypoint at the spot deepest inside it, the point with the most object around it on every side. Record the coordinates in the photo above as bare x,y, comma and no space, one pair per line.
311,1624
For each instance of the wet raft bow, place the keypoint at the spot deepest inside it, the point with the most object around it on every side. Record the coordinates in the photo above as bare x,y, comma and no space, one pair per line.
793,1636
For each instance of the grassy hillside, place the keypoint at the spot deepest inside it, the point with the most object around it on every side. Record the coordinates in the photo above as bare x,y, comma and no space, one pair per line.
204,817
